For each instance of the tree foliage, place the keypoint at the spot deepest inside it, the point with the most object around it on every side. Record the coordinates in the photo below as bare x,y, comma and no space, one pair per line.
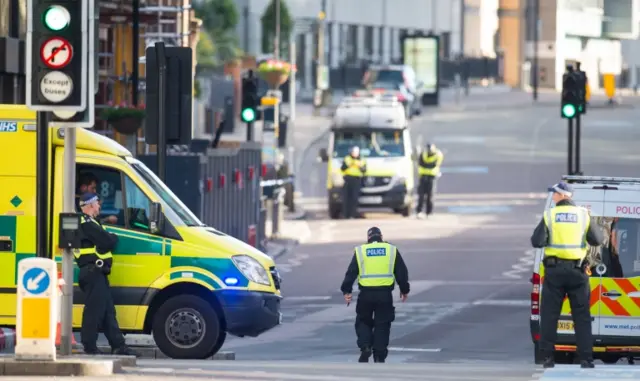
219,21
269,28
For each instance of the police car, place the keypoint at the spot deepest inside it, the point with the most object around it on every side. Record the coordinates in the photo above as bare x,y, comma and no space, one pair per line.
378,125
615,272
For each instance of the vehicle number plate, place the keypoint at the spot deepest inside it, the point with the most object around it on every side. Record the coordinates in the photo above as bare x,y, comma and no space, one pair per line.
371,200
565,326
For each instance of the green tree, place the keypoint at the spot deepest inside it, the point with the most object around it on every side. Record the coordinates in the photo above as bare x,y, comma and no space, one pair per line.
219,21
269,28
206,51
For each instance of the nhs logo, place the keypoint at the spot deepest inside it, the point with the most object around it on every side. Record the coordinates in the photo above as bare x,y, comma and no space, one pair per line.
376,252
567,217
8,126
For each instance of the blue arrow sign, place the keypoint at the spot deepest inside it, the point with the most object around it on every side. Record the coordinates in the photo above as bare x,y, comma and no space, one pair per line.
36,281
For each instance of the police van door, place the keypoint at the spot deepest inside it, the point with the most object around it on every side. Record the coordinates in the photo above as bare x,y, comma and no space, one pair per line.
592,200
620,289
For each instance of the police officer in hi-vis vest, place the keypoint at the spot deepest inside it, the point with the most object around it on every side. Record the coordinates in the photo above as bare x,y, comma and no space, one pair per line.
429,170
95,260
353,169
564,232
377,265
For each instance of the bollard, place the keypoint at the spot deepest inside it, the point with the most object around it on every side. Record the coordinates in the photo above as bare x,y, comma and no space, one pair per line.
275,214
37,312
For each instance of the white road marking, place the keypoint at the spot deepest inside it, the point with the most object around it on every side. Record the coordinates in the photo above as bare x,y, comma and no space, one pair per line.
403,349
505,303
524,266
307,298
295,259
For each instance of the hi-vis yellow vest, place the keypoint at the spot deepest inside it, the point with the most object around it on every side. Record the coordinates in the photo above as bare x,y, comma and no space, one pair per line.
567,226
91,251
376,262
433,163
353,167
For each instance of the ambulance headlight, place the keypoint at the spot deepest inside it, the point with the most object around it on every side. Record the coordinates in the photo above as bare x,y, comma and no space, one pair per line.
252,269
337,179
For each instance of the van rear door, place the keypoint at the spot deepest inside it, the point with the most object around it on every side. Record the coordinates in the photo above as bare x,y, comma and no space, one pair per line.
620,287
593,200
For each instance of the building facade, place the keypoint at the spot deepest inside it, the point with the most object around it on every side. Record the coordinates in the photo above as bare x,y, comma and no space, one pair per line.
359,32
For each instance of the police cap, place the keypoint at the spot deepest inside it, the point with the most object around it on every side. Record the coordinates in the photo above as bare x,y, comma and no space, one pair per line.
88,198
374,232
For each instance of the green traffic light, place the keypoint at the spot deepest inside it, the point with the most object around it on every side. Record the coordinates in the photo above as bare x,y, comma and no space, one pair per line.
248,115
569,111
56,18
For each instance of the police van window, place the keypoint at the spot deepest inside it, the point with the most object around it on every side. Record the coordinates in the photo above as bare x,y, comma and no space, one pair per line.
620,251
108,186
138,206
372,144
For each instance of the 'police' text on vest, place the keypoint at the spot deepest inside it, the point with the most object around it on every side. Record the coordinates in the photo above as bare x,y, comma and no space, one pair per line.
376,252
567,217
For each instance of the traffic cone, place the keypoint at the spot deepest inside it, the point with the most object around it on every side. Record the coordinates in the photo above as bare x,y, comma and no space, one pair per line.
61,284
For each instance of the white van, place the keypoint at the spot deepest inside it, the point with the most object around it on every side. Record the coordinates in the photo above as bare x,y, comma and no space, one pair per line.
615,272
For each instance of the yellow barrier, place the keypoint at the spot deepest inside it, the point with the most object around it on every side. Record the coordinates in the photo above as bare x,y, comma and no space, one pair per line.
609,84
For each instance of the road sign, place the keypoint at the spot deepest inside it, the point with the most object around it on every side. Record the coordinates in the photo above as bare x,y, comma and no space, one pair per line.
56,86
56,52
37,309
36,281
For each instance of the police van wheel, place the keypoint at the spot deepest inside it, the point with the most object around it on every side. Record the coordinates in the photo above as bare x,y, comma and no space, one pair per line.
537,354
186,327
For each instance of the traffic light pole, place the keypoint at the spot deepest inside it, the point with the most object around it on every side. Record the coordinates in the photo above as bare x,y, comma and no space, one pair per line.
42,185
577,158
249,131
570,147
162,130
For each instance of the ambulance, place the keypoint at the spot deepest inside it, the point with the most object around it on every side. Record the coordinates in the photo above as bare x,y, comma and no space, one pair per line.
185,283
615,273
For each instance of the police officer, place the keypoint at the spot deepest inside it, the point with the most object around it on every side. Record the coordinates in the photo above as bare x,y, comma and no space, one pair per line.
377,265
353,169
95,260
429,170
564,232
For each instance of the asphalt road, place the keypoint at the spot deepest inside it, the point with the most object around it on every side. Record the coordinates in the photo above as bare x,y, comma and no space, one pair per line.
470,263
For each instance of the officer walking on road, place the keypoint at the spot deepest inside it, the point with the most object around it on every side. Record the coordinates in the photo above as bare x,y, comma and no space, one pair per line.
95,260
429,171
377,265
353,169
564,232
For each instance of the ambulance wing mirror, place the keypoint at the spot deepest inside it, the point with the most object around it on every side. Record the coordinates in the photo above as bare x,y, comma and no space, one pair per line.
323,155
155,218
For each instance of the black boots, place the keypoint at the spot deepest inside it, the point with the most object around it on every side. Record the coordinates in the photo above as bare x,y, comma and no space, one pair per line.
587,364
365,353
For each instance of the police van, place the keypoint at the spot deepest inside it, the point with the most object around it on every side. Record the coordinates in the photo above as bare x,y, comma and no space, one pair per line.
614,268
378,125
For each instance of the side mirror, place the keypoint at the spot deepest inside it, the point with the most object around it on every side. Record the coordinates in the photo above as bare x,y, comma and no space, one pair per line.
323,155
155,217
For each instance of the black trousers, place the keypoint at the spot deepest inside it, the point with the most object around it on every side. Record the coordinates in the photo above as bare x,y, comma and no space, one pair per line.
374,314
561,279
351,195
99,310
426,189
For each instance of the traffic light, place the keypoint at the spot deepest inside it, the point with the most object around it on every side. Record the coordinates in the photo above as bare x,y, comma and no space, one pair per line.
582,88
57,46
249,112
570,94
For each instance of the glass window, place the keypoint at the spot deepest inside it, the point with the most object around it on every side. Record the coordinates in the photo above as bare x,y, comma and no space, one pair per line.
138,206
390,76
620,251
372,144
107,183
169,198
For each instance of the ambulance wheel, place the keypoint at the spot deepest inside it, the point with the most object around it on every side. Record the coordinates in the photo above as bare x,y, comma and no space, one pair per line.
187,327
219,343
405,211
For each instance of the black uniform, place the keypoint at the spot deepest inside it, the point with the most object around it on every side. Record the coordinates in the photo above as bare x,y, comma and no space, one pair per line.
427,185
351,189
99,309
564,277
374,309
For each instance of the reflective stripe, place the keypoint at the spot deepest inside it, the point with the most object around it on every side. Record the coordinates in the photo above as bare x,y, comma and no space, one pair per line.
363,272
77,253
